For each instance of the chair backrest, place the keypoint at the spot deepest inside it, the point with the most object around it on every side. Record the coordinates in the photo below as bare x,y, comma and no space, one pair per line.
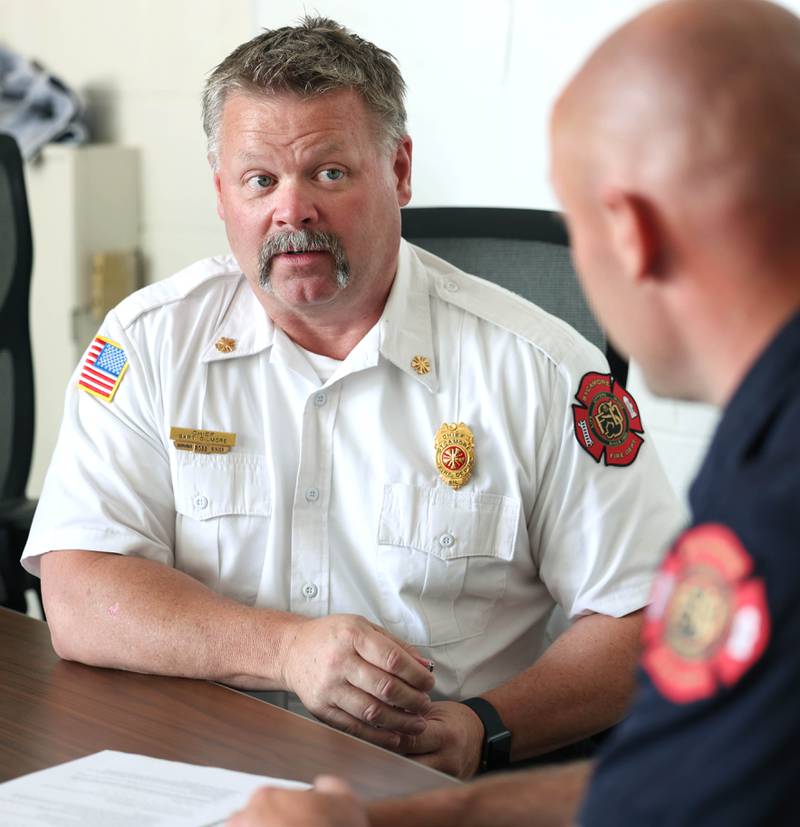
16,365
525,251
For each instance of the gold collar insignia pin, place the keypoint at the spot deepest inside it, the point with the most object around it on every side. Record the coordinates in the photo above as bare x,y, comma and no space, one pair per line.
225,345
421,364
455,453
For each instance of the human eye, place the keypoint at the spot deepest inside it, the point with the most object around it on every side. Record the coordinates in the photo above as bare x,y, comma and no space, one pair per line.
331,174
260,182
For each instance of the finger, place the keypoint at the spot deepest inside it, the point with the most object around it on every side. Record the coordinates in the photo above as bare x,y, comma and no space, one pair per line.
426,663
333,785
365,707
389,689
405,645
258,800
341,720
391,655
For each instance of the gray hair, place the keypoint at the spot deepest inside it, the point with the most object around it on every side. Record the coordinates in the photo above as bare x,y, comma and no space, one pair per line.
317,56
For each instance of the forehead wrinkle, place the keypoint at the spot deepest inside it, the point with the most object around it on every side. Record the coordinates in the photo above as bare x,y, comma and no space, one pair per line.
328,148
256,126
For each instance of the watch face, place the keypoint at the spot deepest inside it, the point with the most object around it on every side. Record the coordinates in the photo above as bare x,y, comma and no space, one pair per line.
498,750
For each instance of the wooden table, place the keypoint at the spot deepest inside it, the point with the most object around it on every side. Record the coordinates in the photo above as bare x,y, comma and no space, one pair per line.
53,711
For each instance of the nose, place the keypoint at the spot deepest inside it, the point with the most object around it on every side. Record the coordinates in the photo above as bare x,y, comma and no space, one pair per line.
294,207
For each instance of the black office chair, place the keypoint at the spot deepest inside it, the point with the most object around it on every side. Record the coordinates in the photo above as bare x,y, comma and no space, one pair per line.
16,377
525,251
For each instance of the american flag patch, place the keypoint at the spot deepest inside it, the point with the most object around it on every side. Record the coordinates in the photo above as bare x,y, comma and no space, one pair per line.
103,368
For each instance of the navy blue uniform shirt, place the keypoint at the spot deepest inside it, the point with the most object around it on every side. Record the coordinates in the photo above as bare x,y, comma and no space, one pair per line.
713,736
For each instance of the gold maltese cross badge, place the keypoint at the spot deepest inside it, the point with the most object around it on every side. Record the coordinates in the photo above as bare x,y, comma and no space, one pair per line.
455,453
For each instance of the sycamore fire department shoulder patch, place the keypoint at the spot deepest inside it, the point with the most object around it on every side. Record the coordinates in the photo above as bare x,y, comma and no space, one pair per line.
708,620
607,421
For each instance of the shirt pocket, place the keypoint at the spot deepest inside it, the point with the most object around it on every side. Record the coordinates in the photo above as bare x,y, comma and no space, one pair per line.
443,560
223,510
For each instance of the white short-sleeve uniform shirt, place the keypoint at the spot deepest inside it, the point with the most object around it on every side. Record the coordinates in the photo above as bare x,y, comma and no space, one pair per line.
331,501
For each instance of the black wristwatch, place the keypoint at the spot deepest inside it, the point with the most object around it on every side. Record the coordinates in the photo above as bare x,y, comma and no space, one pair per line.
496,752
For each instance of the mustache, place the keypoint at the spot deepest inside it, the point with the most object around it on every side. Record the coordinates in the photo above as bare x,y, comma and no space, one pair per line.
294,241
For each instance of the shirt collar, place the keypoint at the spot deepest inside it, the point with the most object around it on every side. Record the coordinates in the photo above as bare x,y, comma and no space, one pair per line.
406,338
244,323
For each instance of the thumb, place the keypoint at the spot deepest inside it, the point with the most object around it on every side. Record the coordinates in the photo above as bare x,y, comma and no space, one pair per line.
332,785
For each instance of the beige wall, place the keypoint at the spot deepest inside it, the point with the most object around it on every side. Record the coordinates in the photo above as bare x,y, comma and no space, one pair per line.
140,65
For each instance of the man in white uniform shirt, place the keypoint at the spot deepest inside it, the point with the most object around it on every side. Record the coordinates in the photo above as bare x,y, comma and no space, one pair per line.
319,463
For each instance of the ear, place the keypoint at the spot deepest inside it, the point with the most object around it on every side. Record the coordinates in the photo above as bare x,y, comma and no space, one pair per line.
402,170
635,233
217,188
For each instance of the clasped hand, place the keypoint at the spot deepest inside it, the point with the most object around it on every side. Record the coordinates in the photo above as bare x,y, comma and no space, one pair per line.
358,678
450,743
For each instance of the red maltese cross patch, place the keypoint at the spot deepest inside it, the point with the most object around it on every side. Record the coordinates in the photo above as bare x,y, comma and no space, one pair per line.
607,421
708,621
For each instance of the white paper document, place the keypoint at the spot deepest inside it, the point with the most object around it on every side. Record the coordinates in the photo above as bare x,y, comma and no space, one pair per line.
124,790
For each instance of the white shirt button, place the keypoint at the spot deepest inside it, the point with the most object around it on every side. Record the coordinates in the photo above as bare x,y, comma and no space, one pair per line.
312,494
320,399
310,591
200,502
447,540
450,286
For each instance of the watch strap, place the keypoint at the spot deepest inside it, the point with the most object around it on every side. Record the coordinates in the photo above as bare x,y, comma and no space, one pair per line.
496,751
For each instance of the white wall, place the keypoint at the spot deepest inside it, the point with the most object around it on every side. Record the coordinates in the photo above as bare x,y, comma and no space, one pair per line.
481,78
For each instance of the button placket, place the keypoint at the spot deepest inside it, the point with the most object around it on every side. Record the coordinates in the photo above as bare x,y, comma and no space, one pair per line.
310,553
